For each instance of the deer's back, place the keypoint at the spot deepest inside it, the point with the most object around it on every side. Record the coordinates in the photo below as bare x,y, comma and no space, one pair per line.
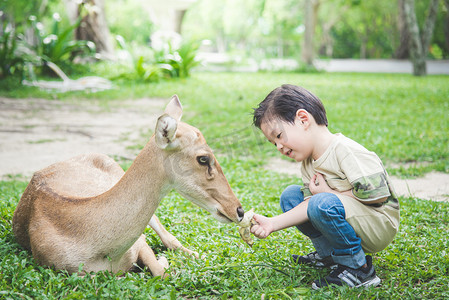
83,176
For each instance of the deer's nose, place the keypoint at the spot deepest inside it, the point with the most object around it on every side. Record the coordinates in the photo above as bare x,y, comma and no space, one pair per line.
240,213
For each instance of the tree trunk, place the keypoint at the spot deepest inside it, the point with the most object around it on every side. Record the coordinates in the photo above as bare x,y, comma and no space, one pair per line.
419,44
310,18
402,52
419,63
446,24
93,26
179,16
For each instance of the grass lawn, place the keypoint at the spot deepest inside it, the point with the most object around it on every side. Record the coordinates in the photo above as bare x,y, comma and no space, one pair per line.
402,118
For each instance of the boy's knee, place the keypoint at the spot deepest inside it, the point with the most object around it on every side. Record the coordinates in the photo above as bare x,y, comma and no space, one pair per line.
291,197
321,204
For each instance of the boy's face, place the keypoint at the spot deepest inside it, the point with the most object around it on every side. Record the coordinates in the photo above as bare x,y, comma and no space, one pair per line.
290,139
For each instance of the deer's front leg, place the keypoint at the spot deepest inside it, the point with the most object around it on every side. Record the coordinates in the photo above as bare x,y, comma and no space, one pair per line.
170,241
146,257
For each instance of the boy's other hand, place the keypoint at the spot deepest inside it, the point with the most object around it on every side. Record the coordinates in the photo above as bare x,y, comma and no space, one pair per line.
319,185
263,228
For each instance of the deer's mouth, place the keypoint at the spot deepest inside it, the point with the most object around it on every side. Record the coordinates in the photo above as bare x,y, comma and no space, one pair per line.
223,216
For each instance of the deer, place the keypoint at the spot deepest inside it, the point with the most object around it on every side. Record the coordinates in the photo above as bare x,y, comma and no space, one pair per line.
87,211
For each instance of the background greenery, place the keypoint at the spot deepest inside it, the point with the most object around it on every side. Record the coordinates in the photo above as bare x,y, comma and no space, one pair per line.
248,32
401,117
273,28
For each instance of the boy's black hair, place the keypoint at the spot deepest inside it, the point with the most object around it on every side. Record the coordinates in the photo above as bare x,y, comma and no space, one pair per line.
283,103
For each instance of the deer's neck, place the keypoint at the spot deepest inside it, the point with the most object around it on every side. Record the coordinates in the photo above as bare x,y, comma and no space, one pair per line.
129,205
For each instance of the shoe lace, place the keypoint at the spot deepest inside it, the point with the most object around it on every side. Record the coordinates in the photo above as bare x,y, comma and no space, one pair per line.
314,256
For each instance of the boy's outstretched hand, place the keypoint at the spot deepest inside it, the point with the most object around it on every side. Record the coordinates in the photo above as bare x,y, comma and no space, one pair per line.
263,228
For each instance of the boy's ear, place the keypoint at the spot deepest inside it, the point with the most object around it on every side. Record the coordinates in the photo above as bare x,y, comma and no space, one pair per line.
302,116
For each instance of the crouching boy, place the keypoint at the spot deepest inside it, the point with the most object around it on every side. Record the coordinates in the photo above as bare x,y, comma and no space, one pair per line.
346,206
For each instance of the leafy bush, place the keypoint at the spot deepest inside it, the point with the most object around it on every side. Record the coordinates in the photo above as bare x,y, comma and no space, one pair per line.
176,63
183,60
10,60
132,21
150,71
157,64
58,45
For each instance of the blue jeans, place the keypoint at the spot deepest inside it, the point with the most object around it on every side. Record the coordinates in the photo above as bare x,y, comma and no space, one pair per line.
327,227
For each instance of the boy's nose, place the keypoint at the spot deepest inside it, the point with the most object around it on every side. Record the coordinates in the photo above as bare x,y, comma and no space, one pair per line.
279,146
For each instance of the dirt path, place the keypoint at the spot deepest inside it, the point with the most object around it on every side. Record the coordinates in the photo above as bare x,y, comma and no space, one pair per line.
433,186
35,133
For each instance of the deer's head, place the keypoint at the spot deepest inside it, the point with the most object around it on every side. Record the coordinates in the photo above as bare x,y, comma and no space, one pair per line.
192,167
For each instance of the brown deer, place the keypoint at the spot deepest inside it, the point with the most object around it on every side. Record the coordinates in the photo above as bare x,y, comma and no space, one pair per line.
87,210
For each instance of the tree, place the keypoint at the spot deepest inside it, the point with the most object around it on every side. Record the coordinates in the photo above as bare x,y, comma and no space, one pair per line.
310,18
93,26
402,52
419,42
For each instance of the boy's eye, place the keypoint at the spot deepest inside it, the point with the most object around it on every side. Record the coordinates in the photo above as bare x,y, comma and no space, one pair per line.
278,136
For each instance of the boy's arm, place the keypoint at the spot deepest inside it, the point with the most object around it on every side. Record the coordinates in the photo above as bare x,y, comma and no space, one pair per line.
350,193
319,185
366,174
265,226
371,189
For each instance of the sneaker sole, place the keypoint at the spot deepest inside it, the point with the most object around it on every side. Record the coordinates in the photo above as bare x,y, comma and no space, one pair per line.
375,281
372,282
332,267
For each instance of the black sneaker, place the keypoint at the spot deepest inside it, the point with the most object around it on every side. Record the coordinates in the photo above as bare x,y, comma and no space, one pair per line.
342,275
313,259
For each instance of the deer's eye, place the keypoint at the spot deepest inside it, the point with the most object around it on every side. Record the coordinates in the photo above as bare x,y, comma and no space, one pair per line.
203,160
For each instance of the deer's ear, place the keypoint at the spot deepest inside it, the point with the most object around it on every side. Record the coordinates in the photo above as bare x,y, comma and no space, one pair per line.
174,108
166,132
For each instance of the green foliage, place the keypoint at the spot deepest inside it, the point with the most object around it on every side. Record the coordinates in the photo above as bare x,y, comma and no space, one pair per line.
154,65
275,28
440,47
365,31
58,46
150,72
133,21
10,60
181,60
18,11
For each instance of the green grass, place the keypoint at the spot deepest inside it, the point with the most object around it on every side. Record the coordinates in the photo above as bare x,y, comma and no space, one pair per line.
402,118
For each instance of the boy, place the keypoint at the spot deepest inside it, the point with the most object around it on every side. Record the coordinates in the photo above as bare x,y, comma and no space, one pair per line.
346,207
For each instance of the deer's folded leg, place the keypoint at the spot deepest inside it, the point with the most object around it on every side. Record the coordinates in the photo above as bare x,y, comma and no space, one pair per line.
168,239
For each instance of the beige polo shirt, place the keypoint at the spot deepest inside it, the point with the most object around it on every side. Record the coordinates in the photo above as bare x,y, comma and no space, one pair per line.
347,165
